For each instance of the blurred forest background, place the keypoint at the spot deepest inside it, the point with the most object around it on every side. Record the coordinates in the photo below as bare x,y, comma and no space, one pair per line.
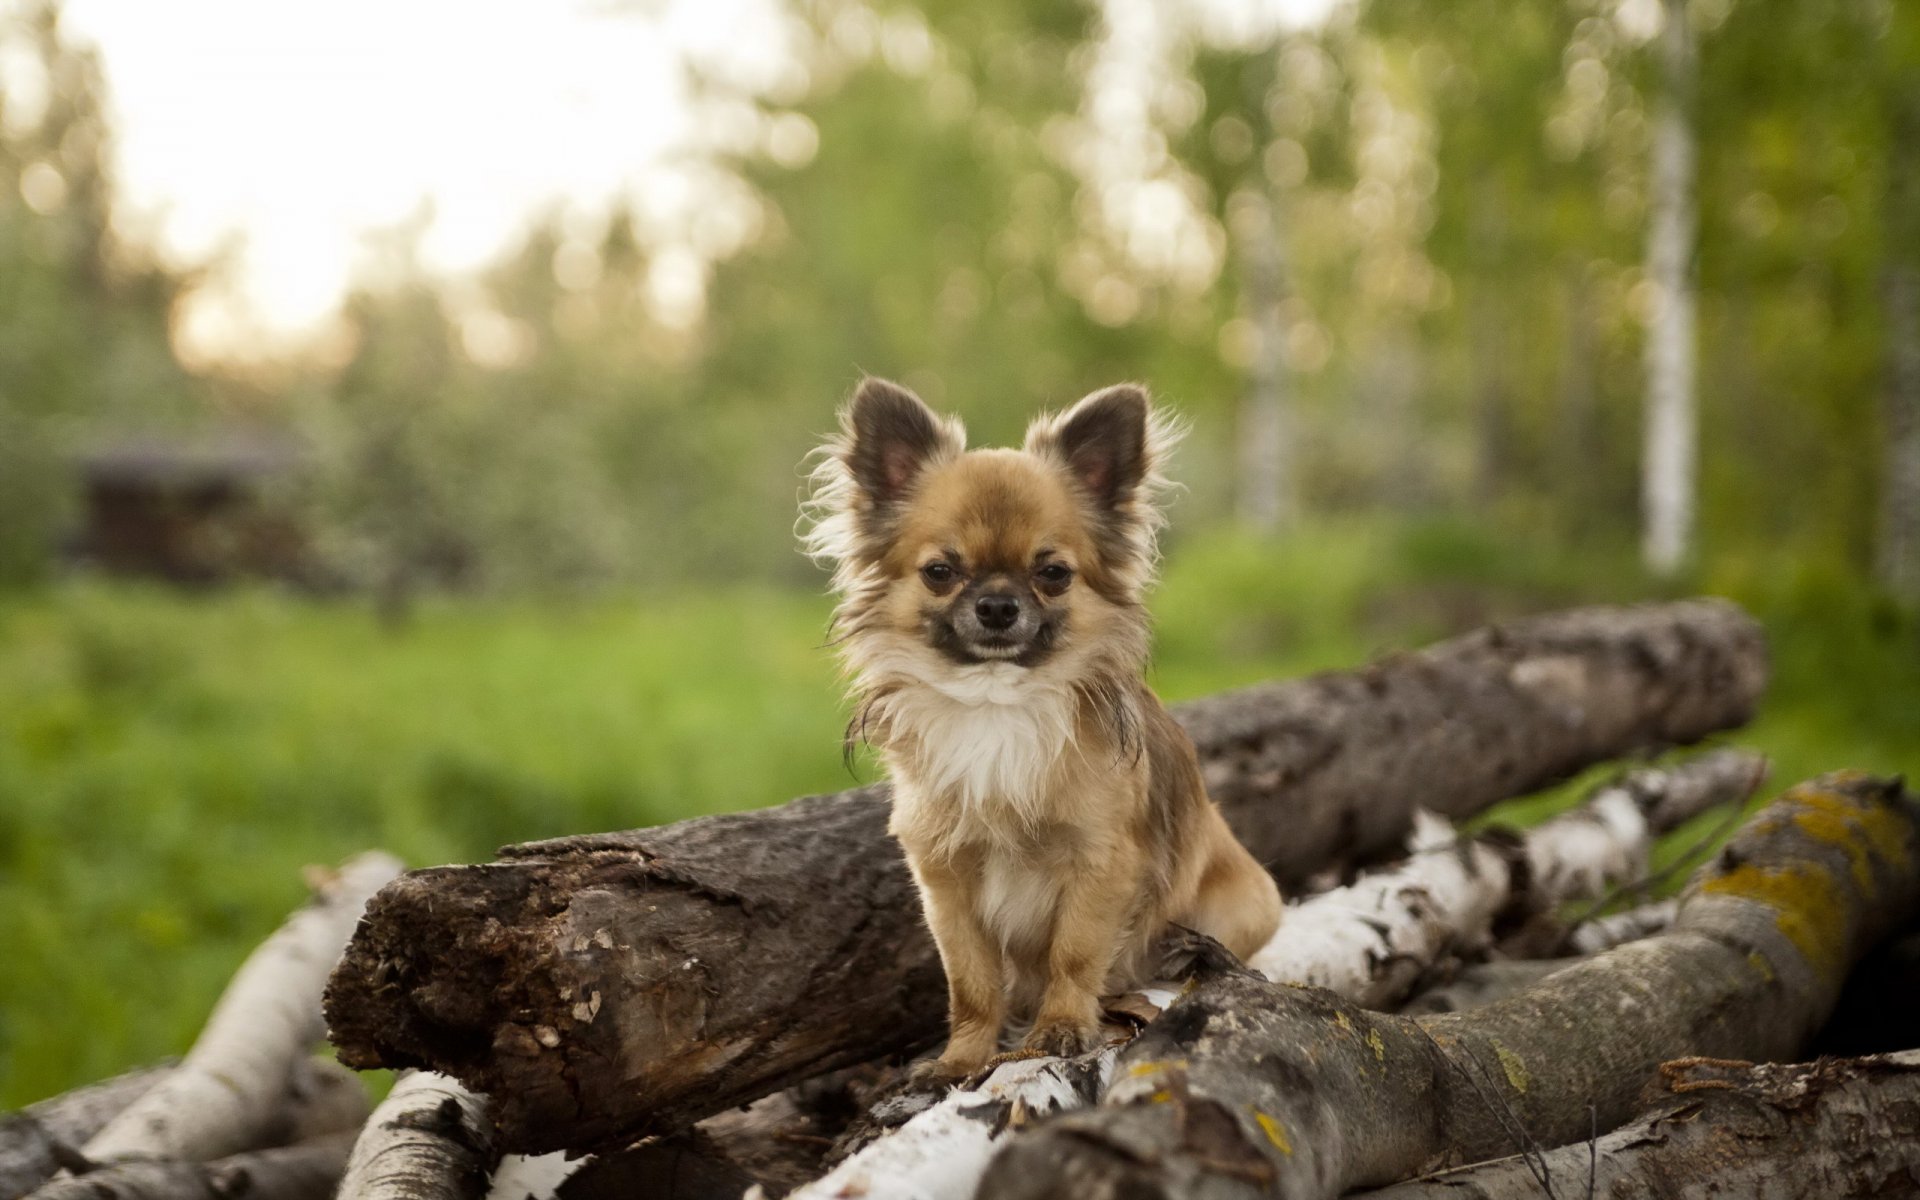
1476,307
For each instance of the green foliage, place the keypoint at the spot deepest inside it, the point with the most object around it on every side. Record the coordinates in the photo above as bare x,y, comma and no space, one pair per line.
170,764
83,316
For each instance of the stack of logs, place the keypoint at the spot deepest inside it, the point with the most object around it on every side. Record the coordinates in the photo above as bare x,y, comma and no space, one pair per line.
722,1007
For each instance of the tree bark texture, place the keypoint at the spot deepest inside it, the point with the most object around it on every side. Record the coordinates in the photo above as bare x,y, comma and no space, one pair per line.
1771,1131
428,1140
600,988
1369,942
1477,985
43,1138
1244,1088
230,1093
305,1171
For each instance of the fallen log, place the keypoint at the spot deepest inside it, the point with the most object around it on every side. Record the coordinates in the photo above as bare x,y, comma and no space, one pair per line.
1773,1131
1246,1088
306,1171
1369,942
600,988
1477,985
428,1140
232,1091
1617,929
43,1138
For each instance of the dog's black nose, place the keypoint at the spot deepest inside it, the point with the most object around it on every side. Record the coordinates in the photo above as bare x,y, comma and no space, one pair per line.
997,612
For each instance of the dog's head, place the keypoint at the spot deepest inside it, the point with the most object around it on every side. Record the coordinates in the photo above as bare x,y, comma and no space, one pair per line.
1025,557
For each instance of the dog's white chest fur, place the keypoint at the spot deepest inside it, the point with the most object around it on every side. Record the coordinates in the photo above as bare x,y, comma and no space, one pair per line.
985,736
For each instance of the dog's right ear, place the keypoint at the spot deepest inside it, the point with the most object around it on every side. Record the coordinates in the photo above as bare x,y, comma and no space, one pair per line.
892,437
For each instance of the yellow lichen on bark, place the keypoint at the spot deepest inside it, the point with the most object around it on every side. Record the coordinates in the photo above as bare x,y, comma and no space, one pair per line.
1809,909
1859,828
1276,1133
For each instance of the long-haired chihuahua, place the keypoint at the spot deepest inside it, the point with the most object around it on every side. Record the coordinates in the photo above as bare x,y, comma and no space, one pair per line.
991,621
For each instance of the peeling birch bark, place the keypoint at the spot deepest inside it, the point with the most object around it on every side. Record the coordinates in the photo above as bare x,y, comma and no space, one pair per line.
601,988
223,1096
304,1171
1373,939
1771,1131
41,1139
1369,942
533,1176
1604,933
1245,1088
428,1140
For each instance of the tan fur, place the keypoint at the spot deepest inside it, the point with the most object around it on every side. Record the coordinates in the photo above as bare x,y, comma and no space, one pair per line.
1051,811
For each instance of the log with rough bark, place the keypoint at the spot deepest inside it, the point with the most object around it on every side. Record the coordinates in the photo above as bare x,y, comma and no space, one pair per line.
304,1171
230,1092
319,1097
1771,1131
43,1138
1477,985
599,988
1369,942
428,1140
1245,1088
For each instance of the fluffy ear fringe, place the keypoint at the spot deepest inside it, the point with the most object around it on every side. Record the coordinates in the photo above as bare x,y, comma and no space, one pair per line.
834,508
1139,518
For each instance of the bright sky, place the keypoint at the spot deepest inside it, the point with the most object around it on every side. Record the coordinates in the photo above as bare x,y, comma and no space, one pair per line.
298,128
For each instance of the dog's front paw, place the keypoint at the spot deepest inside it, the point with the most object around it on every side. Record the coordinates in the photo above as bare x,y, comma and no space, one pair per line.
1064,1039
938,1074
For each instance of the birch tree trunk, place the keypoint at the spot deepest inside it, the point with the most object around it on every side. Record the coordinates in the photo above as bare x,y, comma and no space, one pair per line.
41,1139
598,988
305,1171
1243,1088
1670,455
230,1091
1770,1131
428,1140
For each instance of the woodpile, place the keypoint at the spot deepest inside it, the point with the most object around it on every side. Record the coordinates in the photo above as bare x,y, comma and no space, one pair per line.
725,1006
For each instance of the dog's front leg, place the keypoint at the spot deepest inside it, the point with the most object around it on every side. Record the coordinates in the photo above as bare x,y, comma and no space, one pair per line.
1094,907
976,996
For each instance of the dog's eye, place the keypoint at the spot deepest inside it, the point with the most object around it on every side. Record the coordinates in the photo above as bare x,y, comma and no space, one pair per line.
1054,574
937,573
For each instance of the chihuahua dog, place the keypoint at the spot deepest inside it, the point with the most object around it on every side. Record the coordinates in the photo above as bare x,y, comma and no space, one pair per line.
990,617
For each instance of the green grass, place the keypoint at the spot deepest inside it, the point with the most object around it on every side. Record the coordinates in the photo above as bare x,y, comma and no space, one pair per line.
168,762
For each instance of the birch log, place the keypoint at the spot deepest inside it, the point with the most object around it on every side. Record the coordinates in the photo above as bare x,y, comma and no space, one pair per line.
1617,929
305,1171
428,1140
1244,1088
1369,942
42,1138
600,988
225,1095
532,1176
1775,1131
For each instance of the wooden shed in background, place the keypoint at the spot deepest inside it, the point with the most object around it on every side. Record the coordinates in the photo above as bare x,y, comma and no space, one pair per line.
196,511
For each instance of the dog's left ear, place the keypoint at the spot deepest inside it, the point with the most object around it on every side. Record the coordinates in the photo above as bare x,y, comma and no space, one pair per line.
1103,442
